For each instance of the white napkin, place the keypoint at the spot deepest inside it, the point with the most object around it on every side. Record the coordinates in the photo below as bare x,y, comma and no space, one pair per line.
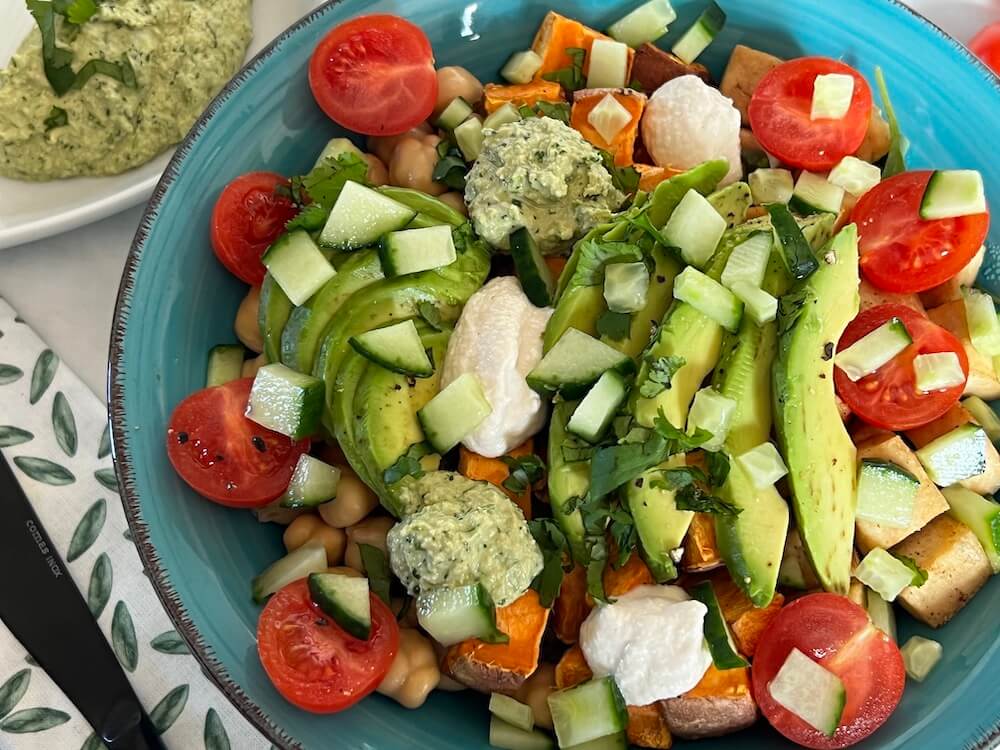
54,432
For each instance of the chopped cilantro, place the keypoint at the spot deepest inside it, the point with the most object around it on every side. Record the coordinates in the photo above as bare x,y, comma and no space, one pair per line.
78,11
625,178
555,110
598,557
555,550
615,326
571,78
660,374
311,218
120,71
615,465
718,468
323,183
692,497
407,465
57,118
451,167
524,472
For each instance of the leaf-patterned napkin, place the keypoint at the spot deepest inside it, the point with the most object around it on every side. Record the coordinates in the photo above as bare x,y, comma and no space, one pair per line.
55,432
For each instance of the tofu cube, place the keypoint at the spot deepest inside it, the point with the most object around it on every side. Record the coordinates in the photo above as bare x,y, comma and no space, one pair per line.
956,565
745,69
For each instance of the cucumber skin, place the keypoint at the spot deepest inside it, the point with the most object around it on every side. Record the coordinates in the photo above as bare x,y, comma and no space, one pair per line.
534,274
272,316
330,606
716,633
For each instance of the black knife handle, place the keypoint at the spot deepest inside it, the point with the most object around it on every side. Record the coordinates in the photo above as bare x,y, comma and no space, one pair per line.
45,611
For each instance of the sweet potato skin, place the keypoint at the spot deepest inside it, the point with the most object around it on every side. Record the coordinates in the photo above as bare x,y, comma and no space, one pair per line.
720,704
653,67
502,667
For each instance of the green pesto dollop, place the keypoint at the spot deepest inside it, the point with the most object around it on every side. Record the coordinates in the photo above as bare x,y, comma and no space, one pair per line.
540,174
182,52
456,532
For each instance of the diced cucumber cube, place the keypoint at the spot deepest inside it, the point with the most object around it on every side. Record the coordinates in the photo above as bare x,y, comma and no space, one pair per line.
955,456
832,93
298,265
608,64
701,34
810,691
884,574
346,599
886,493
771,186
454,412
920,656
709,297
506,736
980,514
881,613
855,176
609,118
574,363
712,412
748,261
873,350
335,148
313,483
299,563
983,324
469,136
984,414
512,711
225,364
593,415
395,347
758,304
532,270
454,114
938,371
521,67
814,194
647,23
717,635
286,401
696,228
415,250
362,215
953,192
626,286
616,741
795,249
503,116
763,464
588,711
452,615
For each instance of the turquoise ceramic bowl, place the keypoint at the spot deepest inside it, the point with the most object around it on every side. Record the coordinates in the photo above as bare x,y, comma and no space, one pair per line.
177,301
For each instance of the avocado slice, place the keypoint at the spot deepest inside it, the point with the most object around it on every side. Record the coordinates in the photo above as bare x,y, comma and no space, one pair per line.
567,480
821,458
272,316
390,300
344,421
732,202
660,524
303,332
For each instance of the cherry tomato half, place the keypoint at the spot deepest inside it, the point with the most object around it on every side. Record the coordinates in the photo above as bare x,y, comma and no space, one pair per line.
986,46
837,633
889,398
248,216
312,661
900,252
224,456
780,108
375,75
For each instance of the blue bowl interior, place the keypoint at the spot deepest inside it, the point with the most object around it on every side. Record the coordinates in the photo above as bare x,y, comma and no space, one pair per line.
177,302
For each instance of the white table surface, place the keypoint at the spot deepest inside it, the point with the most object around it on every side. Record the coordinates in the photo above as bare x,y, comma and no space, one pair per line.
65,286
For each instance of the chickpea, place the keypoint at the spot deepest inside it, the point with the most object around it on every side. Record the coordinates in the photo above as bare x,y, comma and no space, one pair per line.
412,165
353,502
383,145
370,531
414,672
455,81
311,528
535,692
456,201
246,326
251,366
378,173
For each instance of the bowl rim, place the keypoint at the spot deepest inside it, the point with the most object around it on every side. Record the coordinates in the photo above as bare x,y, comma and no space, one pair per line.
212,667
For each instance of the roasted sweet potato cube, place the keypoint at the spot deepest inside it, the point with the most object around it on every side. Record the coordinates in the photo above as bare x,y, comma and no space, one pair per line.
622,146
746,622
521,95
720,704
572,668
701,552
572,605
495,471
558,34
653,67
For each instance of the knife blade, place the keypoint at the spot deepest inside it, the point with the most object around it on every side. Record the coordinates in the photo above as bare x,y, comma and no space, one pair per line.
45,611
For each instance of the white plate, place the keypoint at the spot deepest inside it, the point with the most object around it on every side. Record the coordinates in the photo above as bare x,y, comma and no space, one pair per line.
31,211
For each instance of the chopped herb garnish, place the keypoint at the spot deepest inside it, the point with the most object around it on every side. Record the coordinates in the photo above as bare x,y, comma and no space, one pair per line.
407,465
323,183
555,551
641,222
571,78
679,441
625,178
615,326
451,167
120,71
623,532
598,557
57,118
524,472
919,574
615,465
895,161
311,218
77,11
718,468
376,566
431,315
555,110
660,374
595,255
692,497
